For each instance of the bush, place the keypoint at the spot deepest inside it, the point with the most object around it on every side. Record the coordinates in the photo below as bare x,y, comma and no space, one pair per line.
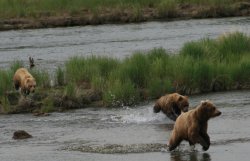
60,76
70,90
120,93
6,82
42,78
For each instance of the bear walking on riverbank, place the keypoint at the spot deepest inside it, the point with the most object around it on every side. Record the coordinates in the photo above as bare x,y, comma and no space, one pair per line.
25,81
192,126
172,105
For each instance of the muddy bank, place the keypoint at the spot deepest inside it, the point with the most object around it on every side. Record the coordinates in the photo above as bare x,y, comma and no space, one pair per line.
126,15
49,100
44,102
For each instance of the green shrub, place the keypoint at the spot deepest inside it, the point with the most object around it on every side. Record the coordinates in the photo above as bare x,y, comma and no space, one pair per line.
60,76
16,65
120,94
6,82
167,8
136,68
42,78
79,69
70,90
158,87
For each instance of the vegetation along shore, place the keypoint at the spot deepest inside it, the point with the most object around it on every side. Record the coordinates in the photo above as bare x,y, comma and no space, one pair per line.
22,14
206,65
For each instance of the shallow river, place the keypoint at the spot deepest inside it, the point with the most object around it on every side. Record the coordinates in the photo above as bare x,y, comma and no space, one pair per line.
51,47
126,134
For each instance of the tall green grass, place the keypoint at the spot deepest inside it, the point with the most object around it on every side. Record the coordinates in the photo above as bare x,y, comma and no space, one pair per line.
60,77
42,78
39,8
200,66
6,77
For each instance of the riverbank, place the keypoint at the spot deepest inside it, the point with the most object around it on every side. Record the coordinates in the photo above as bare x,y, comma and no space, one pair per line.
202,66
20,15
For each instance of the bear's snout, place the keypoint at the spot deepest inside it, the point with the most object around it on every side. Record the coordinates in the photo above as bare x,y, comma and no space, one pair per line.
185,109
217,113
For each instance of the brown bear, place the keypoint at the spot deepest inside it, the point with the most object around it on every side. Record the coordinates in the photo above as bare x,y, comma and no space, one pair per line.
172,105
24,80
192,126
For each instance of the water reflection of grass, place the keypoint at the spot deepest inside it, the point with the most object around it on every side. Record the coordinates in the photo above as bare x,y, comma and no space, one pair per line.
201,66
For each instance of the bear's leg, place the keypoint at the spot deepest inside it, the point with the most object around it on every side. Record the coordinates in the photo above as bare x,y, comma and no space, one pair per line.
174,141
172,116
192,145
206,139
157,108
16,84
173,145
24,92
204,144
204,135
196,138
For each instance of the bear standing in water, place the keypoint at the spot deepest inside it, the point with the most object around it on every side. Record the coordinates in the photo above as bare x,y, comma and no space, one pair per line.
24,80
192,126
172,105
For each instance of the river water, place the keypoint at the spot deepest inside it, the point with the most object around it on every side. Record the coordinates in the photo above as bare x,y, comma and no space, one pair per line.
51,47
127,133
137,131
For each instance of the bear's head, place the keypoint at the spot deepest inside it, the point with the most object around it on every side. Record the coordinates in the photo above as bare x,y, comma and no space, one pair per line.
207,110
182,103
30,85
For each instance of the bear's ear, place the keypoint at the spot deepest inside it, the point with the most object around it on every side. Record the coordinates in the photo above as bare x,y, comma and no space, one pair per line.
180,98
203,103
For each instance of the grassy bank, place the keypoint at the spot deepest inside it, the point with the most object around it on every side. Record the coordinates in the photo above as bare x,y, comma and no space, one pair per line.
201,66
53,13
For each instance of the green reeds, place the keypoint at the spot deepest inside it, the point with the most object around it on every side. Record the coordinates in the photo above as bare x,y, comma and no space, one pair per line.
120,93
201,66
80,69
46,8
5,81
42,78
60,77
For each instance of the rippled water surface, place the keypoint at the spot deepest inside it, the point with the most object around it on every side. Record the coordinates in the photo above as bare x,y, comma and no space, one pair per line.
51,47
138,132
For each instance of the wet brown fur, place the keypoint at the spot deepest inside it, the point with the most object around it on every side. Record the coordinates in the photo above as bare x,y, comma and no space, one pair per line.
192,126
172,105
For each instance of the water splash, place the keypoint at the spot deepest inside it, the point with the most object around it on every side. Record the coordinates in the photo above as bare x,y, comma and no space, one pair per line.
143,114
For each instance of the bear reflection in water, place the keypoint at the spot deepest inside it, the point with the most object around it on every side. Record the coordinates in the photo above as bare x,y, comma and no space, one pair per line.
190,156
